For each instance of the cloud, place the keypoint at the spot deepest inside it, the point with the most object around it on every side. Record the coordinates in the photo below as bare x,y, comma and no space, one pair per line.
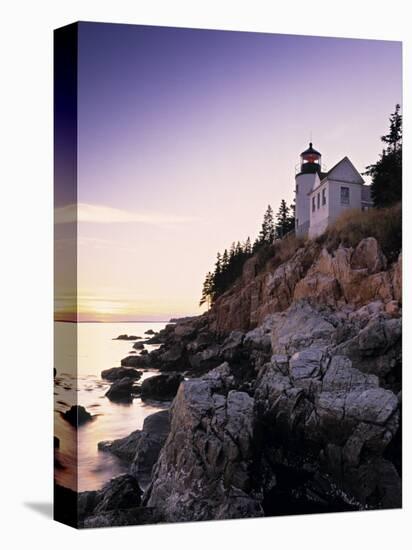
94,213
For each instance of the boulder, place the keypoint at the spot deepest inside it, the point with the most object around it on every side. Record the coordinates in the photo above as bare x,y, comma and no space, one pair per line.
127,337
156,429
368,255
174,358
122,390
142,447
119,494
117,373
138,345
162,387
124,448
133,361
77,416
150,331
203,470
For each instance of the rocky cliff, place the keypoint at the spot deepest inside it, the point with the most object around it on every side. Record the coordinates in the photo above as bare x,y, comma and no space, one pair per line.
291,397
345,276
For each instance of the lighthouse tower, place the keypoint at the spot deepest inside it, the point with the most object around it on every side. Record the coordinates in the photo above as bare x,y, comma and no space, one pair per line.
306,179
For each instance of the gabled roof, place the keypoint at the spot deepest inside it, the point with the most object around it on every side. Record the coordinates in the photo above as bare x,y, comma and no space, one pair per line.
344,171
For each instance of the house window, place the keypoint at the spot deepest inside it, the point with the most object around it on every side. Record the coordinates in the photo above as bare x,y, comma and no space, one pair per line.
318,200
344,195
323,197
313,204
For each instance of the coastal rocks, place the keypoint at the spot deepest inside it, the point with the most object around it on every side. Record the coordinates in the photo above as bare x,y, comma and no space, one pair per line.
123,517
302,326
117,373
138,345
174,358
120,494
124,448
127,337
77,416
132,361
122,390
150,332
142,447
162,387
203,469
321,392
156,429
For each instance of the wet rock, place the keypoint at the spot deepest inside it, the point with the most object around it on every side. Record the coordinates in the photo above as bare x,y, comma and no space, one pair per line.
124,448
122,390
77,416
133,361
117,373
138,345
156,429
142,447
162,387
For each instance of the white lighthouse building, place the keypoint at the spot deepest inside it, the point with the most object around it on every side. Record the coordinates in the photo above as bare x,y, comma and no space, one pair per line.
322,196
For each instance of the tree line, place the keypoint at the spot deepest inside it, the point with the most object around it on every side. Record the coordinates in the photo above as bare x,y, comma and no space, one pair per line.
386,173
229,263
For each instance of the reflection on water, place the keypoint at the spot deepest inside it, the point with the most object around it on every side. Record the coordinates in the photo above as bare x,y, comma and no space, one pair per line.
96,351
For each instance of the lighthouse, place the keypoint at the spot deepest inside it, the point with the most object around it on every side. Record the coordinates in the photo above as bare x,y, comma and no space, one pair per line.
321,197
307,178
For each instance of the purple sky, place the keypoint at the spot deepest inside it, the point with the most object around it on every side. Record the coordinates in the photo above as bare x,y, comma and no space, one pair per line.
187,135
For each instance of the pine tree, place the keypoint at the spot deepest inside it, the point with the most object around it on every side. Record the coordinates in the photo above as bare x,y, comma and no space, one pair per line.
282,218
207,290
386,173
247,247
267,232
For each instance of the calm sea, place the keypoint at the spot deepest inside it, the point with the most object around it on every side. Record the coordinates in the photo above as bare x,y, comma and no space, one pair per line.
96,351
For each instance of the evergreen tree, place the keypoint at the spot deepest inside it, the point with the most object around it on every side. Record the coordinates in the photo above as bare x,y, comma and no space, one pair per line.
207,290
282,220
248,247
267,232
386,173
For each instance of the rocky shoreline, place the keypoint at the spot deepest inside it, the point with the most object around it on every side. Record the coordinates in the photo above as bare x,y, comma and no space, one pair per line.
286,399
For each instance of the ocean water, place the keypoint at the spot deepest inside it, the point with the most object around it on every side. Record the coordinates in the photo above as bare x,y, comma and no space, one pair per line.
96,351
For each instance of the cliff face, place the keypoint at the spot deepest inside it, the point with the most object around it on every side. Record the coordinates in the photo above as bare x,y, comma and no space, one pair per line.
345,276
291,397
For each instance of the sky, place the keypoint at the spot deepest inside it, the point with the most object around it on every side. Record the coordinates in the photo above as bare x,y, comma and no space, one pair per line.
185,136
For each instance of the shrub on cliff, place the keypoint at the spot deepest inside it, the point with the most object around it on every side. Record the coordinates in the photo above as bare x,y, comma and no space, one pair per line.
385,224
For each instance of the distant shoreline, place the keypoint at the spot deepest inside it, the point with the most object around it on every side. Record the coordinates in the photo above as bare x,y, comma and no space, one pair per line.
108,322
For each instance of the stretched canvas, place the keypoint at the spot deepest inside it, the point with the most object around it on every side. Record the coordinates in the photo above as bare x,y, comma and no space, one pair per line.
228,274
